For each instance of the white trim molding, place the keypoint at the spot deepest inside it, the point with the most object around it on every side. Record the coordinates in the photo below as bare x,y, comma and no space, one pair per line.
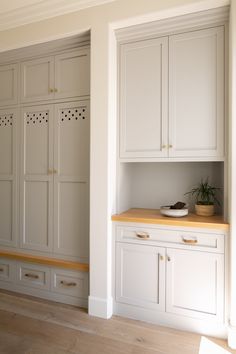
43,10
100,307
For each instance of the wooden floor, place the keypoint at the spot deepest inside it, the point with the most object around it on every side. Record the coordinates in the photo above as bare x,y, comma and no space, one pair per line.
30,326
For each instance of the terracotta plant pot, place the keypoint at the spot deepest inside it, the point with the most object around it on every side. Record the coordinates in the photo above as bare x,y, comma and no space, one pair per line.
204,210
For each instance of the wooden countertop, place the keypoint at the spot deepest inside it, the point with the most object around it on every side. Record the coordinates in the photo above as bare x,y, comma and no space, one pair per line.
153,216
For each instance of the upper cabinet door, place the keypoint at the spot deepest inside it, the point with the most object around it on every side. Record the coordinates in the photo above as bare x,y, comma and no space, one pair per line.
72,74
143,99
8,84
196,94
37,79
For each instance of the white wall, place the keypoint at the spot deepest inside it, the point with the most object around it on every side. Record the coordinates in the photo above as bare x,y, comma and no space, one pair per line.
101,20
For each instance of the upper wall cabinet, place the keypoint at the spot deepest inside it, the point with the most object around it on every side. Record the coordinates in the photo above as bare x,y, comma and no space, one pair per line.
196,96
143,98
8,84
60,76
172,97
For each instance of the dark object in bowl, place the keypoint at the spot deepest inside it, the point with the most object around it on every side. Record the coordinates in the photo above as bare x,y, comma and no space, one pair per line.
178,205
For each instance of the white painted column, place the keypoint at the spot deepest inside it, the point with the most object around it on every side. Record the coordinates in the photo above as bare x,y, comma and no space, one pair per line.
100,298
232,164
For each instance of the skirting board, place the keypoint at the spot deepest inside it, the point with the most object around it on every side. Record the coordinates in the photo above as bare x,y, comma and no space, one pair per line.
232,337
100,307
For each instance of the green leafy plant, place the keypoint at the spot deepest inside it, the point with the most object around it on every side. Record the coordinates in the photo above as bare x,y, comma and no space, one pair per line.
204,193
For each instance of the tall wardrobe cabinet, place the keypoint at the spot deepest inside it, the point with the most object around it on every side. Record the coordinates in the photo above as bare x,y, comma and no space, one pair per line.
44,174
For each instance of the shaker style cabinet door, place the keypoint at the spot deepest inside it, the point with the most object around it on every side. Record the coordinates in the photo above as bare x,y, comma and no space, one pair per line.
72,74
71,179
8,177
37,79
195,284
8,84
144,99
140,276
196,94
36,178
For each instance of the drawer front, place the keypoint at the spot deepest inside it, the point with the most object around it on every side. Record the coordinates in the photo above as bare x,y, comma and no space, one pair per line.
70,283
33,276
177,238
7,270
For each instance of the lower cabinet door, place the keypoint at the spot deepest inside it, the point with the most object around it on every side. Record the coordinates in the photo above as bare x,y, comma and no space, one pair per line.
195,284
140,275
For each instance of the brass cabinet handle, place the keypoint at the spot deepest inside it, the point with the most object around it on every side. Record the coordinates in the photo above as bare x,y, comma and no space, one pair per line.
161,258
51,90
142,235
170,146
163,146
63,282
189,241
31,275
55,90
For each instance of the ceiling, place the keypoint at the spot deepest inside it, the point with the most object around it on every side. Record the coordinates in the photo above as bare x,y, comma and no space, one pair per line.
15,13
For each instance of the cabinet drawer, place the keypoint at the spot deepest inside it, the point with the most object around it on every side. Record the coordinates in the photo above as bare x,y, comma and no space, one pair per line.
178,238
70,283
7,270
33,276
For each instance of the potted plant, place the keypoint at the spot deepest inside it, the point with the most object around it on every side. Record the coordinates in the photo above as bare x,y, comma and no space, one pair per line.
205,196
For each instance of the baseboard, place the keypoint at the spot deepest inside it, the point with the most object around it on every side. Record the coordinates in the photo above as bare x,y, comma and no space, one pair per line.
100,307
232,337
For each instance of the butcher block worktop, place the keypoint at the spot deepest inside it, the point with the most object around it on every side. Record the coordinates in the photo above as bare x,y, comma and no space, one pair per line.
153,216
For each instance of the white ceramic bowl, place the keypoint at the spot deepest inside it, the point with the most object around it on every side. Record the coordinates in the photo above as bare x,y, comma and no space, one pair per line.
174,213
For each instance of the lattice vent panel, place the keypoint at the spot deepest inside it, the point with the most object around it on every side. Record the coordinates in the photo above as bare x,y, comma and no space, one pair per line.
37,117
6,120
73,114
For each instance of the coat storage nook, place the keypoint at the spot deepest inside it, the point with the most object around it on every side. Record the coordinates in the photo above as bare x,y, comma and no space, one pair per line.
172,133
44,170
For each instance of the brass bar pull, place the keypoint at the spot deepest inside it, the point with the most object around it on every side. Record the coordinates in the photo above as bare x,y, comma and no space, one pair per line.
67,283
189,240
143,235
32,276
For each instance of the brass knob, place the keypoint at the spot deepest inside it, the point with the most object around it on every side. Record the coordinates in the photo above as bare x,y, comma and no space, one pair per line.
51,90
168,259
163,146
50,171
170,146
55,90
161,258
54,171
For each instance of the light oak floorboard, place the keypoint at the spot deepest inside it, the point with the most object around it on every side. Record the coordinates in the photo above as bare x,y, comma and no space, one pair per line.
32,326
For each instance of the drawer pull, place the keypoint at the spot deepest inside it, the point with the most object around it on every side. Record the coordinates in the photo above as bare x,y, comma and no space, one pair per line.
143,235
189,240
1,270
32,276
67,283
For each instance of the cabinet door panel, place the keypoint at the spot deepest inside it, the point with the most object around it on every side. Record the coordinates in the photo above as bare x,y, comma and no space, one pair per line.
71,180
140,275
72,74
8,177
195,283
196,99
37,177
143,98
37,79
8,84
